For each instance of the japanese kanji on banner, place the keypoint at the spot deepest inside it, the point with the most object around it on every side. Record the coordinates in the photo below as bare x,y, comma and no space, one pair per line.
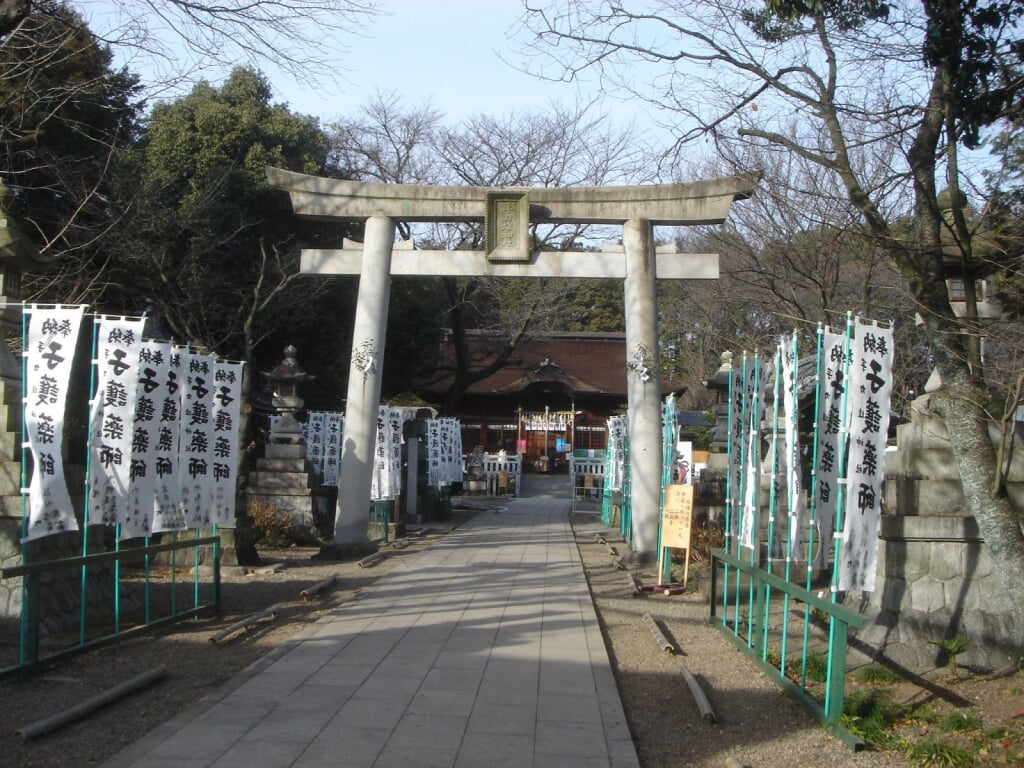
118,341
227,401
870,387
753,394
335,428
168,510
736,443
790,465
154,360
313,434
197,440
618,437
830,427
444,451
323,430
49,351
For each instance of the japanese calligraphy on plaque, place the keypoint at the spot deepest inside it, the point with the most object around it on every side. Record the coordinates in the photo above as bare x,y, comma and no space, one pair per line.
677,516
507,226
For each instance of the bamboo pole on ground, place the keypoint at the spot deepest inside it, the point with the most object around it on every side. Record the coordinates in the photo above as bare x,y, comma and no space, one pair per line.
87,707
244,623
320,586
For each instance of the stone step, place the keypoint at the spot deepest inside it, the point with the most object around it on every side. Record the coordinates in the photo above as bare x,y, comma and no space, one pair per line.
284,451
274,480
282,465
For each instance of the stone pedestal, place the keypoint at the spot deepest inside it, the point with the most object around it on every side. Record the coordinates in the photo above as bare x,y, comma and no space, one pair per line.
284,479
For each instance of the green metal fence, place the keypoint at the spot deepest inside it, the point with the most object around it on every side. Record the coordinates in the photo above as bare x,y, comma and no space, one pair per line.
797,637
178,600
797,634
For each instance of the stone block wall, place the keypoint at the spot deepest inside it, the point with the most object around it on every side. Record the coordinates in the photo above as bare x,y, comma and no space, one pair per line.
936,581
935,578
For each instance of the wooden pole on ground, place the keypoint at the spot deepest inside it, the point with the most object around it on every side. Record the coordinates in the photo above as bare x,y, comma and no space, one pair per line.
87,707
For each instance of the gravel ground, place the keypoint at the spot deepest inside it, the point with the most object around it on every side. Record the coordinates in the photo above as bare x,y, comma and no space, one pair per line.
756,724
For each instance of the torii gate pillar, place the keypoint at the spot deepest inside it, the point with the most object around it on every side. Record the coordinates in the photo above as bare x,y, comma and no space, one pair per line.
359,435
643,383
506,214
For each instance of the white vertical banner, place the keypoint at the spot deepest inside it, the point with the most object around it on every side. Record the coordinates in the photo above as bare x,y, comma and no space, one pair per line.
168,510
154,360
332,448
314,433
831,426
754,398
870,387
455,447
433,452
227,408
791,451
396,422
112,418
379,475
197,440
737,398
617,436
49,353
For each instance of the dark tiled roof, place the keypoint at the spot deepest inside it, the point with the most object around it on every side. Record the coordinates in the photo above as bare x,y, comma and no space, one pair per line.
583,362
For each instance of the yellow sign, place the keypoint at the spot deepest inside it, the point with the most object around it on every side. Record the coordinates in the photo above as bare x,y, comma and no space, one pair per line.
677,518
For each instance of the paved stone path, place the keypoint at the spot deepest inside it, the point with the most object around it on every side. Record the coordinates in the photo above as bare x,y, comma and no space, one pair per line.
481,651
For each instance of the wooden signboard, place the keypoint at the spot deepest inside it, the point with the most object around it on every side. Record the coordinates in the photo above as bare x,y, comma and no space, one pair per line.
676,522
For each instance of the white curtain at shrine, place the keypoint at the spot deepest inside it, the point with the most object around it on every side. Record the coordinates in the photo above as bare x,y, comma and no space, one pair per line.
49,352
112,418
227,401
870,387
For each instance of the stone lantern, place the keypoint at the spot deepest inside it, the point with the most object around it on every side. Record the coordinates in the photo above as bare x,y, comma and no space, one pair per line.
283,478
284,381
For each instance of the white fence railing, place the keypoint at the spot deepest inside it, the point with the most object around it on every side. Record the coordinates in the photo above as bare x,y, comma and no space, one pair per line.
587,477
498,467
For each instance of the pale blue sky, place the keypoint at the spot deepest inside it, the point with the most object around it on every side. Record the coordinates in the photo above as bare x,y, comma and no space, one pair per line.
446,50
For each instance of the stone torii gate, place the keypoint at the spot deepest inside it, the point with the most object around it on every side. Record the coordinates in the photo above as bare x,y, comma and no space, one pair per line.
507,214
